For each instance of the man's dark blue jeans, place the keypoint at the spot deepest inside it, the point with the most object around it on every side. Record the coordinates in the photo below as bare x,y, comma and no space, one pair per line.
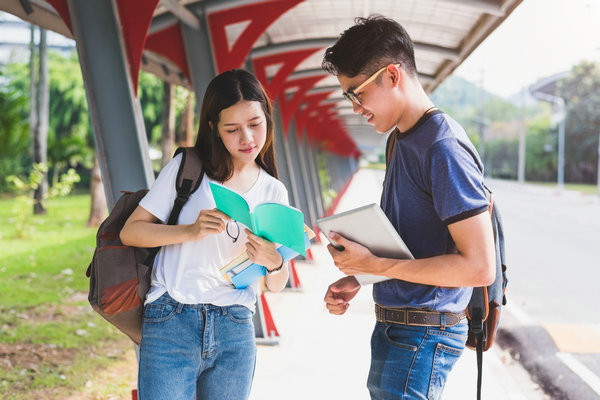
413,362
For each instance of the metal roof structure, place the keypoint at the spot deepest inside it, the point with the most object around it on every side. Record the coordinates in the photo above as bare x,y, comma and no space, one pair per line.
292,36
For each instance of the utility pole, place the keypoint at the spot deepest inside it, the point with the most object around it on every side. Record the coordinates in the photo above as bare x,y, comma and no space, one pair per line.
561,114
522,141
561,142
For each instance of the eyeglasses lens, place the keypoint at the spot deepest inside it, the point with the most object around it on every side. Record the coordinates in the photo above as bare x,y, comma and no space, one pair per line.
233,230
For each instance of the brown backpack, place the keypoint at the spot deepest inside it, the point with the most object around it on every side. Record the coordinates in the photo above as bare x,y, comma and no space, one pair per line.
119,274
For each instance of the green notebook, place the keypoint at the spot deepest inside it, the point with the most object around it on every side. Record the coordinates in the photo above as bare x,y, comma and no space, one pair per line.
273,221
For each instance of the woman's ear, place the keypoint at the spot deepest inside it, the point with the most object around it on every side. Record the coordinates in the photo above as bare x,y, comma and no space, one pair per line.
210,125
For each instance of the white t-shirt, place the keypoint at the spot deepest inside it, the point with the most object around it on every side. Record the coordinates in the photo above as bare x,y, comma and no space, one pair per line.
189,271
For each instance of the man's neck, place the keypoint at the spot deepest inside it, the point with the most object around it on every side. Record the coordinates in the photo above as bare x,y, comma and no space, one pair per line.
415,108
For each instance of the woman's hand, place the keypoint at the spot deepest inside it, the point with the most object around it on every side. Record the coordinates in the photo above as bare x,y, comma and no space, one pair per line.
262,252
209,222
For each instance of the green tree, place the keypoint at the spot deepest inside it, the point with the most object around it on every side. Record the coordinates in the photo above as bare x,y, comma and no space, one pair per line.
150,91
501,158
463,99
498,109
541,152
14,135
70,140
581,91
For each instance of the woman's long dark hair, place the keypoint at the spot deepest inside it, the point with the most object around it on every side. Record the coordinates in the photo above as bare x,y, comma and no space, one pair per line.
225,90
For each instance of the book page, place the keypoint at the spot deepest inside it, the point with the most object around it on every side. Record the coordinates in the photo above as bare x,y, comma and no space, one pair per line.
280,224
232,204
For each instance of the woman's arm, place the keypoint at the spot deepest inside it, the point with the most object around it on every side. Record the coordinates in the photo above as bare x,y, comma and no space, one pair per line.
141,229
276,282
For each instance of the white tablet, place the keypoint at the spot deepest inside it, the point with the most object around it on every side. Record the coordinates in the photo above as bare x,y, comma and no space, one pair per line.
369,226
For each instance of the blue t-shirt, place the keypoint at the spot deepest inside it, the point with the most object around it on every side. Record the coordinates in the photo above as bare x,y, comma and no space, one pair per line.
434,178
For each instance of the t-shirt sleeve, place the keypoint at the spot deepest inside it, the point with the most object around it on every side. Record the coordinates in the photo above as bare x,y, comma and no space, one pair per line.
282,193
159,200
456,181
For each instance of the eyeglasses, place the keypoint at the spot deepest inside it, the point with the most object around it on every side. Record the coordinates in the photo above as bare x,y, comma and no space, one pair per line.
235,228
352,95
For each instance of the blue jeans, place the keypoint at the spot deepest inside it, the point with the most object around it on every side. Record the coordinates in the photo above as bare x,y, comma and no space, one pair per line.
413,362
197,350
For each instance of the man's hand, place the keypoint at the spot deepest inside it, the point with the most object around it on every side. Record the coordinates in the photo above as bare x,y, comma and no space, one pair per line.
340,293
354,259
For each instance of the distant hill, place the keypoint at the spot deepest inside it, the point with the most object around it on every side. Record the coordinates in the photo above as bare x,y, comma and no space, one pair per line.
464,100
456,92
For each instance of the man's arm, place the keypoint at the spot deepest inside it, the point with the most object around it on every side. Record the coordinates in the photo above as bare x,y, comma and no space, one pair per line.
472,265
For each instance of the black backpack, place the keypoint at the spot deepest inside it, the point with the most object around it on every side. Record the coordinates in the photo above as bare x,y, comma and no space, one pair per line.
120,275
483,310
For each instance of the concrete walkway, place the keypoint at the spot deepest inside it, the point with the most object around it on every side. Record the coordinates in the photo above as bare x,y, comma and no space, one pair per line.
321,356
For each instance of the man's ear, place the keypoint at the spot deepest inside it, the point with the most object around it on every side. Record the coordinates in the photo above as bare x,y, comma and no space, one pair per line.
395,74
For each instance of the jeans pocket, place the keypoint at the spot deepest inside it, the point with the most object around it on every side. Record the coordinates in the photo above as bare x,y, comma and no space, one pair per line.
239,314
443,360
397,340
158,312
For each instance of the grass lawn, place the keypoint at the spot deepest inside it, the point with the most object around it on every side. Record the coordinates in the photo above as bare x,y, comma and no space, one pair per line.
578,187
50,339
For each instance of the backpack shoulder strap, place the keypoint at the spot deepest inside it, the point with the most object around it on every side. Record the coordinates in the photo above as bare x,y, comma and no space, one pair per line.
190,169
390,146
189,178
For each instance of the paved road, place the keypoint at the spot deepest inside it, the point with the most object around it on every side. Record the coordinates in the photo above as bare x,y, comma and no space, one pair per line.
553,323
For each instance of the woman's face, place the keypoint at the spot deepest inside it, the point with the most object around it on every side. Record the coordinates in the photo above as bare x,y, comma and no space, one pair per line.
243,130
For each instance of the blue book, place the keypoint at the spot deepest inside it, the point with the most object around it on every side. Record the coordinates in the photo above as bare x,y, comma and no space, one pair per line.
242,272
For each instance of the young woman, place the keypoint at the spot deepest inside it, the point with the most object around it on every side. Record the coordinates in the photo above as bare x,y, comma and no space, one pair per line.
198,334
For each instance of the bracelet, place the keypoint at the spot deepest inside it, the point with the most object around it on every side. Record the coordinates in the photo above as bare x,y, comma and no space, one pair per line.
272,271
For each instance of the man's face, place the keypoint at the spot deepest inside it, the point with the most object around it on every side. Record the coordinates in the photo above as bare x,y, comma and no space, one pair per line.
374,98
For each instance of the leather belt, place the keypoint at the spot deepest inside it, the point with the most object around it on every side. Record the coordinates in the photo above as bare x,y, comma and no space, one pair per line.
416,317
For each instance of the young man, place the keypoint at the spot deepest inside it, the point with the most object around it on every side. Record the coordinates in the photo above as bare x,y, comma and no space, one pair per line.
433,194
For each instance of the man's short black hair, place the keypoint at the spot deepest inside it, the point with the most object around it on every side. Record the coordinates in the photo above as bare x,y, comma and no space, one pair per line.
371,44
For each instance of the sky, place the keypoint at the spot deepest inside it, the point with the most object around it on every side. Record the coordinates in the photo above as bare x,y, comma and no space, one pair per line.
540,38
